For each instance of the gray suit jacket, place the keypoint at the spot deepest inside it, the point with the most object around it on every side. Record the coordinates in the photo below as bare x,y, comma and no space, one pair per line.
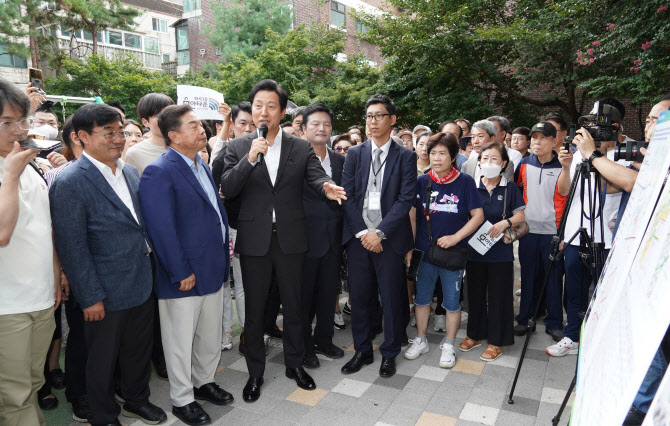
102,249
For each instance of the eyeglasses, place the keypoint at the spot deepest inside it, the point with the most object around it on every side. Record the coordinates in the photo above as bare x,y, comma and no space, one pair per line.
25,124
110,136
342,148
375,117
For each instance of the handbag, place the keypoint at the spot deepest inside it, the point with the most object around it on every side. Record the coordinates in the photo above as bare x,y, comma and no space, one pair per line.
513,233
453,258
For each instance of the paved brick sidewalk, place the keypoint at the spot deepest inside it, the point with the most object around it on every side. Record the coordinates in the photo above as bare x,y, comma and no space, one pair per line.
473,392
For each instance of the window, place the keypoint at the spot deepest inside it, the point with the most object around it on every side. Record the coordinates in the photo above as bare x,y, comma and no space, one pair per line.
361,27
182,38
166,57
191,5
133,41
337,14
184,58
11,61
159,25
88,36
64,31
114,37
151,45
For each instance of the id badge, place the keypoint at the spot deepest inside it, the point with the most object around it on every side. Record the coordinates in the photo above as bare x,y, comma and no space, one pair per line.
374,200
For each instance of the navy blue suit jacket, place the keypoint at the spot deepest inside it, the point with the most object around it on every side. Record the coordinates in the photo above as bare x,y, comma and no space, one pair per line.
184,228
102,248
398,192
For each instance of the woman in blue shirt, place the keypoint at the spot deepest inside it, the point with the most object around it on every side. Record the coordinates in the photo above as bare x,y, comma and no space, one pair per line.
455,213
491,276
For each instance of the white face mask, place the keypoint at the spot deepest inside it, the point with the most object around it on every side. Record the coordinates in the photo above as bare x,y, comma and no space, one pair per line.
490,170
46,131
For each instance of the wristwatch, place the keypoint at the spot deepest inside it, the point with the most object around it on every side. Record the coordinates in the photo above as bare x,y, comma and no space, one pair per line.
380,234
596,154
510,222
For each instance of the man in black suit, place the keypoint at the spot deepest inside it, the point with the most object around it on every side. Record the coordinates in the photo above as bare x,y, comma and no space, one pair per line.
380,178
324,229
268,174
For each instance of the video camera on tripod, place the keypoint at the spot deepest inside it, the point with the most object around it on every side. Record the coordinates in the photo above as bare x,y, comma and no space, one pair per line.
600,125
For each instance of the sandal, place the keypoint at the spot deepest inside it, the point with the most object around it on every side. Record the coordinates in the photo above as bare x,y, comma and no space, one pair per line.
468,344
491,353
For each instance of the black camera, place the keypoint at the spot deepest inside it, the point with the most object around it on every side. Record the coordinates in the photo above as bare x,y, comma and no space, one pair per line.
600,125
630,151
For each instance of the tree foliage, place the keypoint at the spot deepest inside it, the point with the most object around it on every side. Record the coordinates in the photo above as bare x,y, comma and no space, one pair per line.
240,25
518,56
303,63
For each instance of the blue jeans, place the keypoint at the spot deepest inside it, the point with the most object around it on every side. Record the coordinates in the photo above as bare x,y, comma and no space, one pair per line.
651,382
577,282
451,286
534,251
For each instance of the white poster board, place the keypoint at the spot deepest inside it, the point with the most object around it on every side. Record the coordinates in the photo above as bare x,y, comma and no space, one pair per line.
630,314
205,102
482,242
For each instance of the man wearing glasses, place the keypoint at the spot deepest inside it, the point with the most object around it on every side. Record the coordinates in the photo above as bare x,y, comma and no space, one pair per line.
101,239
28,264
380,179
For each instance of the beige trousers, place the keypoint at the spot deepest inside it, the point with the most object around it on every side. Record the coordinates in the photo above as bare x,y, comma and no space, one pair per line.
24,343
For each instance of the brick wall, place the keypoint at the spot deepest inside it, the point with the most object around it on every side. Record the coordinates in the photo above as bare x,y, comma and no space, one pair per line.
198,30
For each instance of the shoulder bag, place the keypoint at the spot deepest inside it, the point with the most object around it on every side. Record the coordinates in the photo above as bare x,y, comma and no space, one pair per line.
453,258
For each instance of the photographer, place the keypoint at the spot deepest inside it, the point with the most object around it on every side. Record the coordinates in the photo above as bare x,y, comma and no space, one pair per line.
606,206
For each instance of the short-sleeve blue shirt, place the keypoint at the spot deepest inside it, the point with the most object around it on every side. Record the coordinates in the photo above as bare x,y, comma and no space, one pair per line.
493,210
450,208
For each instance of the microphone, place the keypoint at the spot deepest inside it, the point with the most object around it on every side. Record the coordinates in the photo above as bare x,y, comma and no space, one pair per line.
262,133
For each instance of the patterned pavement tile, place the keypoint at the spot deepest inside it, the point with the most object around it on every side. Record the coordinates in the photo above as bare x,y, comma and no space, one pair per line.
487,397
508,418
555,396
428,387
351,387
381,394
397,381
412,399
446,407
480,414
307,397
432,419
469,367
401,415
522,405
432,373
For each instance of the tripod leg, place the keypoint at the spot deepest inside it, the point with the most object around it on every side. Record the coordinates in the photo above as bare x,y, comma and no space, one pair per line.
557,417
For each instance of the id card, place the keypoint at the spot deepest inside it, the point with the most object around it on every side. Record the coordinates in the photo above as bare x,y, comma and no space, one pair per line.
374,200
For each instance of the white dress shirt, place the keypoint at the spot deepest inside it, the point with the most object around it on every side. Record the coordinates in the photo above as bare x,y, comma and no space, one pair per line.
271,160
117,181
326,164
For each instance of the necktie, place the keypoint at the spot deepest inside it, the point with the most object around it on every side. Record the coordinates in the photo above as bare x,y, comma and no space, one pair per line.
373,215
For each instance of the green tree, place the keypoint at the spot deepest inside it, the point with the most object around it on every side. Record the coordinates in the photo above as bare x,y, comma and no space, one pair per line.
510,55
304,63
21,19
240,25
123,79
97,15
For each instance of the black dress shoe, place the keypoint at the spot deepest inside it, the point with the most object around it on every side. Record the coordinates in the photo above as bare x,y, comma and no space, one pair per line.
47,402
80,409
360,359
57,378
387,368
521,330
557,334
329,350
310,360
252,390
192,414
161,368
302,379
213,393
148,413
275,333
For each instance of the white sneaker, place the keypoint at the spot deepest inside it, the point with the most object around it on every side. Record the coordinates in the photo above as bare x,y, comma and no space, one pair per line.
518,293
412,320
416,349
266,341
464,317
227,342
338,321
440,323
448,357
565,347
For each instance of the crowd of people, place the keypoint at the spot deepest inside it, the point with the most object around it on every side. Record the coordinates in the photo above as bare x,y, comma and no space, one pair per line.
147,231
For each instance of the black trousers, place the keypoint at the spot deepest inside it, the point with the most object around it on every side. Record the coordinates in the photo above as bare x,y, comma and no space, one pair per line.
257,275
125,337
491,302
75,351
271,308
372,275
319,289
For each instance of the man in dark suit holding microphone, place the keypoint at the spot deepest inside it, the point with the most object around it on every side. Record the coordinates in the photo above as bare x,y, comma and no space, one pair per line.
268,174
380,178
